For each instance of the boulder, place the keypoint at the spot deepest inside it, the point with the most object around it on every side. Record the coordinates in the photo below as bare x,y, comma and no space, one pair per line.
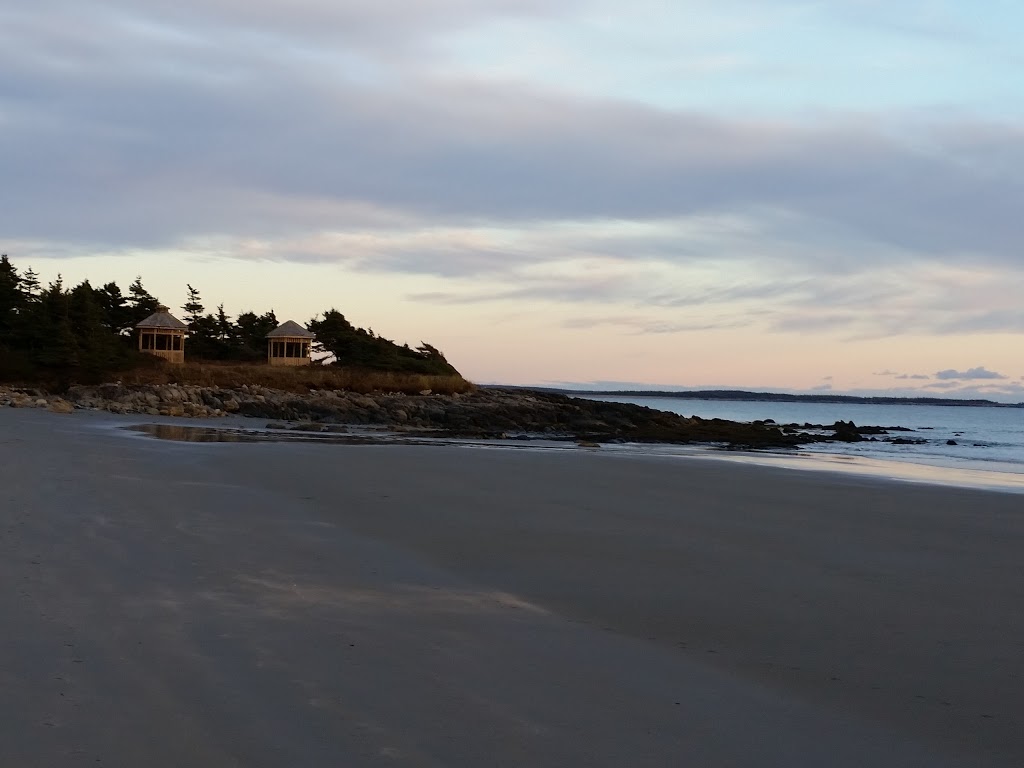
847,432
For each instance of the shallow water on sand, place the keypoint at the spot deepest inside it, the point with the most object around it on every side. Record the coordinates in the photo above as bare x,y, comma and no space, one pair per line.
988,439
957,476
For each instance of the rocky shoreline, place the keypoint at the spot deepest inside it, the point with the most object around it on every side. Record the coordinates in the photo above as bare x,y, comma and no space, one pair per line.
487,412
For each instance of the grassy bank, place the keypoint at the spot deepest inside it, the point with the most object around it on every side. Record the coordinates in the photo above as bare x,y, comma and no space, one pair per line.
299,380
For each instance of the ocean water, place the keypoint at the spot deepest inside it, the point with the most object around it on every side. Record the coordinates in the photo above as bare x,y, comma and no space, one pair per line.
989,439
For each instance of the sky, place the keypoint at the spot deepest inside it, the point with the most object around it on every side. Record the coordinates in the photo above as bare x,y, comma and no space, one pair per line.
792,195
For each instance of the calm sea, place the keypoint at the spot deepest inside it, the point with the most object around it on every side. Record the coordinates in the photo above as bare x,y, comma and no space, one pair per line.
987,438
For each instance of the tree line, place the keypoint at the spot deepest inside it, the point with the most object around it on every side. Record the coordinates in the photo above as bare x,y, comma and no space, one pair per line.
85,333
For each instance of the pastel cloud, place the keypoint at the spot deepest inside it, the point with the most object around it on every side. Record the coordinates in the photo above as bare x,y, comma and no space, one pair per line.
560,166
970,374
188,145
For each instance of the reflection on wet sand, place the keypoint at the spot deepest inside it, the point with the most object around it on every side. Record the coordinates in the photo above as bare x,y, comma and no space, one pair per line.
850,465
330,435
190,434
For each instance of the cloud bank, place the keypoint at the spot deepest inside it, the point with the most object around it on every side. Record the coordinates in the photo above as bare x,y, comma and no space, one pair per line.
411,139
152,123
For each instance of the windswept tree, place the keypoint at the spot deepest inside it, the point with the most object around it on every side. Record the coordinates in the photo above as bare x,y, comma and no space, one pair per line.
193,306
141,302
118,315
430,352
334,335
85,333
359,348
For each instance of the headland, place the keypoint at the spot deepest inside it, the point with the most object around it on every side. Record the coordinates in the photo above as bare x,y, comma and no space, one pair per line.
460,412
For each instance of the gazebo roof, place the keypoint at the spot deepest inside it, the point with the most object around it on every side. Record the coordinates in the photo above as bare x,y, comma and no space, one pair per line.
291,330
162,319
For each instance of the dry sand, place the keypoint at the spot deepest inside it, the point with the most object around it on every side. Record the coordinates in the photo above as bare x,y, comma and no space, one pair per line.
169,604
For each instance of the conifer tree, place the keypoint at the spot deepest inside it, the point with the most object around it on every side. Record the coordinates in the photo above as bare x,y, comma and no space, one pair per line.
57,346
12,300
118,315
252,334
95,342
30,286
227,331
360,348
193,307
141,302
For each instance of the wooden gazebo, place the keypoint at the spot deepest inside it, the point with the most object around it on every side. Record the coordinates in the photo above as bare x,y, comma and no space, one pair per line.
163,335
289,344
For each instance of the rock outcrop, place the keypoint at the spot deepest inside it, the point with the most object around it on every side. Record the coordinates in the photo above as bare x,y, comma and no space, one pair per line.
483,413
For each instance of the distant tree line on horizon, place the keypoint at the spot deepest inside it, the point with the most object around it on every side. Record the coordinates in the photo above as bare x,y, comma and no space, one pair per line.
85,333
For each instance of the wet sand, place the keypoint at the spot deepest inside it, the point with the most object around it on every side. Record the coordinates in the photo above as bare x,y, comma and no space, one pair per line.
169,604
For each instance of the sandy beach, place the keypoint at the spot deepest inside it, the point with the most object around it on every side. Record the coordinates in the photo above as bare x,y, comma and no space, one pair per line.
171,604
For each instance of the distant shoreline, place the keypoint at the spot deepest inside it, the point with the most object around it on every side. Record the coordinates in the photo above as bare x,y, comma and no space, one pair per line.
774,397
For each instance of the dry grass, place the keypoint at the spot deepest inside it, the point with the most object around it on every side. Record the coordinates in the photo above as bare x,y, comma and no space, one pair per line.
300,380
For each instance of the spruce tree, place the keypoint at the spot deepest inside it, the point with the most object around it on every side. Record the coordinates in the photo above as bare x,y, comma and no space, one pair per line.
96,343
193,307
141,302
12,301
252,334
118,315
30,286
227,332
57,345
